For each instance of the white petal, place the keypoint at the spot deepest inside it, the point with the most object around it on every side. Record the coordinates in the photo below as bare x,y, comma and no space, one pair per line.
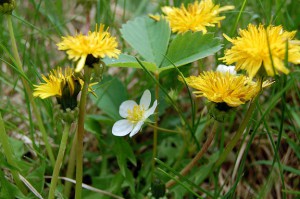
80,63
223,68
122,127
151,110
231,69
146,99
136,128
125,106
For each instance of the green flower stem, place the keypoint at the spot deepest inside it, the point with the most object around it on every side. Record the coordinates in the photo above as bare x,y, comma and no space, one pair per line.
59,160
241,129
198,156
80,132
155,126
163,129
237,136
71,167
8,152
29,90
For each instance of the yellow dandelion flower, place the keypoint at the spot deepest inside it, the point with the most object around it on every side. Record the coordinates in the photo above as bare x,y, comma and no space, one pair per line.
89,48
196,17
54,83
228,88
63,85
256,46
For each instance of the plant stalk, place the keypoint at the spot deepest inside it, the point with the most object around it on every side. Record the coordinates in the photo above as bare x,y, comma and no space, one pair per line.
164,129
80,132
155,127
71,167
59,160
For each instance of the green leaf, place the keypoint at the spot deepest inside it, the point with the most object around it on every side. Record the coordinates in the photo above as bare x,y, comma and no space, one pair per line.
130,180
189,47
9,190
123,152
148,37
110,94
36,176
92,126
128,61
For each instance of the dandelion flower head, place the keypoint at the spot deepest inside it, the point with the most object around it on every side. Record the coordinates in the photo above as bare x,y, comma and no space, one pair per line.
220,87
258,48
55,82
98,44
196,17
64,85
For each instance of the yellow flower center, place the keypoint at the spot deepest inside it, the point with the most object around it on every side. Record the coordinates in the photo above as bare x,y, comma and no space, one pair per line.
136,114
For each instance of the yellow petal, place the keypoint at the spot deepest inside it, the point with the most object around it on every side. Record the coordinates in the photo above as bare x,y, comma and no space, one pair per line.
80,64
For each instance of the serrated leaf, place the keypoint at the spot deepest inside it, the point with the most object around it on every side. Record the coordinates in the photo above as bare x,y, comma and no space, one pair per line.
128,61
189,47
148,37
110,94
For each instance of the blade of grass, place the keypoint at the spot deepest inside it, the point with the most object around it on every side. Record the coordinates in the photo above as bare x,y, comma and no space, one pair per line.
183,178
182,184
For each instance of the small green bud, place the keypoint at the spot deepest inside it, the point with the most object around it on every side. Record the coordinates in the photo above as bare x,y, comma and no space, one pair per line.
66,115
7,6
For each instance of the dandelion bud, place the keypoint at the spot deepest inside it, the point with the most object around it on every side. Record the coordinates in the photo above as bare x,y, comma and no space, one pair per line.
7,6
70,90
65,86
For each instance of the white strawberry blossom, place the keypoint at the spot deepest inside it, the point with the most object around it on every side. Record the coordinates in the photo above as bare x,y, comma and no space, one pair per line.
223,68
134,115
